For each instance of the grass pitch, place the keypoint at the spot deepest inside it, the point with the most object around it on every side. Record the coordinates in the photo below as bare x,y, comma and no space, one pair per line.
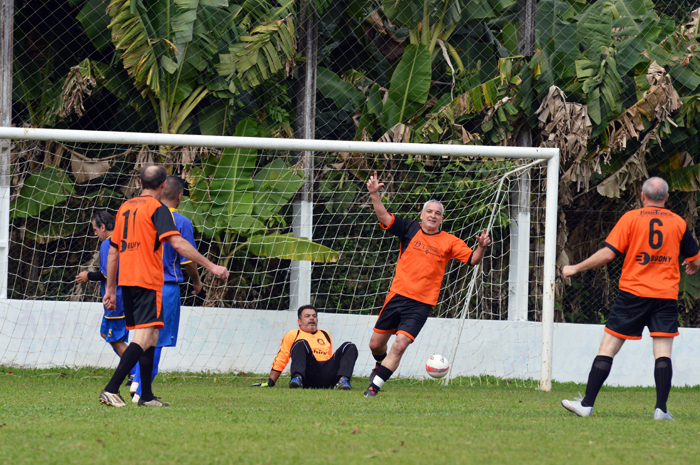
53,416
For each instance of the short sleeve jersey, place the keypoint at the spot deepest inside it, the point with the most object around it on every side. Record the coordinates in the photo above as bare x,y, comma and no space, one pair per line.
172,260
422,259
118,312
651,239
320,343
142,224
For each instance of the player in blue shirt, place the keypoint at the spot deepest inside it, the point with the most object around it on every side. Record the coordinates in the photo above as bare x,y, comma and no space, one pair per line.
113,328
173,263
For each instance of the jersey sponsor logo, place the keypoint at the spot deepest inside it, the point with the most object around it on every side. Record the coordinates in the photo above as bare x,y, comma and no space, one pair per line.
656,213
427,249
319,352
644,259
321,341
131,246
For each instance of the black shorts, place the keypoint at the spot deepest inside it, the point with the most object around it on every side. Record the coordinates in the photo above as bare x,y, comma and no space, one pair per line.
402,315
630,314
142,307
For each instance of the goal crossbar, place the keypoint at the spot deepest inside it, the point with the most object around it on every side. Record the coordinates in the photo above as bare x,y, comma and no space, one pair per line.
310,145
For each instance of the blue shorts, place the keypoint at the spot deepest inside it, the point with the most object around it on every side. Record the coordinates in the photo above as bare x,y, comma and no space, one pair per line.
167,336
114,329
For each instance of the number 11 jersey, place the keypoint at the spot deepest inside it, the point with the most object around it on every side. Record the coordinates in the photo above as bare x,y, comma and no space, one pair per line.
142,224
652,238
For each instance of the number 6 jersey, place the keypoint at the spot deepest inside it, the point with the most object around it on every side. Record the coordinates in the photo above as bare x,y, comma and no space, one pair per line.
652,238
142,224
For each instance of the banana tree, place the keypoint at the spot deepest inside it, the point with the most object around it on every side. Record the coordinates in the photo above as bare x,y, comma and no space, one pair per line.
173,51
230,198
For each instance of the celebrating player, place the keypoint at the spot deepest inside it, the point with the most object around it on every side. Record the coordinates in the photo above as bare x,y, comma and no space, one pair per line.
425,252
314,365
651,238
173,263
143,223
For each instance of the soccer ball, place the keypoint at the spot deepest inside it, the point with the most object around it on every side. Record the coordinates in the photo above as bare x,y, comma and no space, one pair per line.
437,366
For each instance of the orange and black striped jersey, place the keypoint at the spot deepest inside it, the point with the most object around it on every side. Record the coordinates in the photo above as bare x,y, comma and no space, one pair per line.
651,239
320,343
141,225
422,259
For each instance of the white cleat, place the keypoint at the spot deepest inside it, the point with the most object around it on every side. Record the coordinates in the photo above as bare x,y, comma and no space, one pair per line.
575,406
661,415
136,399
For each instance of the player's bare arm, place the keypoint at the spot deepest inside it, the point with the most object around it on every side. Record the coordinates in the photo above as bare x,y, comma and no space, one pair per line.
184,248
483,241
692,267
373,186
191,270
598,259
110,298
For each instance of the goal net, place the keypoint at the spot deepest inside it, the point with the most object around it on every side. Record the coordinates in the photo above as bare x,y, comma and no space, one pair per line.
244,202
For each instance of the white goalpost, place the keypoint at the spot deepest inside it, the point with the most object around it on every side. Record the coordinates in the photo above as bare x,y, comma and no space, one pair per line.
495,319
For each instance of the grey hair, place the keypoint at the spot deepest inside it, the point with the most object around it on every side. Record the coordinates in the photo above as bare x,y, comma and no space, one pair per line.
425,205
655,189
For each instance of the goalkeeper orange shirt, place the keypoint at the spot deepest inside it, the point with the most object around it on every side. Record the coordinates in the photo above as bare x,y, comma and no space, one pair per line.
651,239
320,343
141,224
422,259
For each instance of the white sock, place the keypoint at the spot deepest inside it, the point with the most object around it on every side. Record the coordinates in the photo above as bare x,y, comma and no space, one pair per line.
379,382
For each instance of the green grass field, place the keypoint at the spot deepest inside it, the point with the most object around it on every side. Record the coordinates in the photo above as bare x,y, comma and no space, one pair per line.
53,416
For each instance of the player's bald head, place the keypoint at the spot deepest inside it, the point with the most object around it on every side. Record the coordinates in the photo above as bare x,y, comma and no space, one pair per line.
152,176
655,189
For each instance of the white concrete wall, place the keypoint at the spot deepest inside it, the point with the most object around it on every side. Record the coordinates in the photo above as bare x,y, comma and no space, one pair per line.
56,334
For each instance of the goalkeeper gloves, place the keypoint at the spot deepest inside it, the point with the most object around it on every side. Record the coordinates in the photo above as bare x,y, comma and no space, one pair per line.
270,383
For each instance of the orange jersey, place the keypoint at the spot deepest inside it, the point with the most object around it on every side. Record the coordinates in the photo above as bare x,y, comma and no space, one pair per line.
652,238
320,343
141,225
422,259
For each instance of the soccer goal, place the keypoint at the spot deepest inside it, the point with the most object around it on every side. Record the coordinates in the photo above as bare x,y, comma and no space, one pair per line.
293,222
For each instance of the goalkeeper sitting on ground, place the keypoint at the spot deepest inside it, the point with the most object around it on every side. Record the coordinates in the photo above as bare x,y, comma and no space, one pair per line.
314,365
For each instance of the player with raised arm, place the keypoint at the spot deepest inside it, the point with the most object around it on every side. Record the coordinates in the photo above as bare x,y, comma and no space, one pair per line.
424,253
173,264
143,223
314,365
650,238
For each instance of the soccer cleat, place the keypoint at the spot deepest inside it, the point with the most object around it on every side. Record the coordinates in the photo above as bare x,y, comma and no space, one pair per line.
129,380
296,382
112,400
155,402
343,384
575,406
371,391
135,398
661,415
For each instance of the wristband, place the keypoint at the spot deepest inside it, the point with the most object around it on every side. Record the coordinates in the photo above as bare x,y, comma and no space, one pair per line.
270,383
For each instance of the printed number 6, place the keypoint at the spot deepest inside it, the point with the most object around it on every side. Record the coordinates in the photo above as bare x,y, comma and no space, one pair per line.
656,238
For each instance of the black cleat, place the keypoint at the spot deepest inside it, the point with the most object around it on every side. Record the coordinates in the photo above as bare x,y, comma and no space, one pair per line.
296,382
371,391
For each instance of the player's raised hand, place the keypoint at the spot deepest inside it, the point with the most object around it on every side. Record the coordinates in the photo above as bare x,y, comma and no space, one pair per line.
110,300
82,277
484,239
220,272
373,185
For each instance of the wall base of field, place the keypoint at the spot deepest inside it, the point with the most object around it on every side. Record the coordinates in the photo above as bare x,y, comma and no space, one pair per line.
66,334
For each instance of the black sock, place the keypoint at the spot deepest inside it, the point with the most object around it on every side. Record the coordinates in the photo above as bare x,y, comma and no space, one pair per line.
599,373
663,372
379,358
383,375
146,364
127,361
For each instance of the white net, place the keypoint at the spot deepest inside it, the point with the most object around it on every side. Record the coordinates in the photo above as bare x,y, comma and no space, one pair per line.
240,201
